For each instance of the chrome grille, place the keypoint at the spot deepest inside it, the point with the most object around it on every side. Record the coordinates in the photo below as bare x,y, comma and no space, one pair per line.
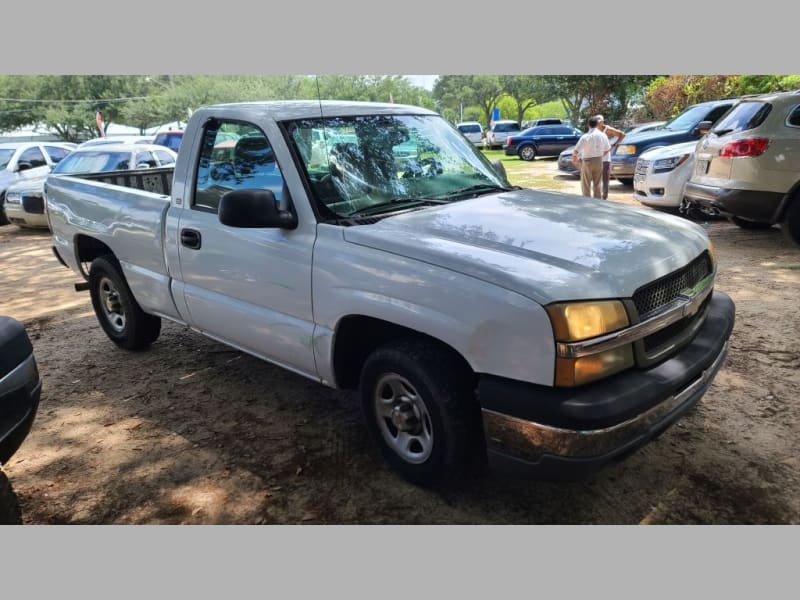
641,167
661,292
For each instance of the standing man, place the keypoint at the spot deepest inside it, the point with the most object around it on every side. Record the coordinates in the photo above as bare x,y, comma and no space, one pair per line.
592,146
611,132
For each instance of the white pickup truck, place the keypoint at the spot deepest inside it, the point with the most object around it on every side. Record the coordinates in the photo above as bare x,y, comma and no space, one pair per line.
370,246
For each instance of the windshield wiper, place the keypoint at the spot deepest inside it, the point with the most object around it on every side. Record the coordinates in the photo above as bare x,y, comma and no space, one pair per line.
474,191
407,202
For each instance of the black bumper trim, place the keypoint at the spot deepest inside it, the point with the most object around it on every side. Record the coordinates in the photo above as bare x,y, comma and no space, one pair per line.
618,398
749,204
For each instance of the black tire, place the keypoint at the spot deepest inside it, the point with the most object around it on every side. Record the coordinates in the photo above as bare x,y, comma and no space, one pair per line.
527,152
3,218
790,227
120,316
446,389
625,180
10,513
745,224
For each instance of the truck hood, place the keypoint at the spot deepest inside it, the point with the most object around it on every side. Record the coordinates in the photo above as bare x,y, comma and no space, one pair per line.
546,246
670,151
663,137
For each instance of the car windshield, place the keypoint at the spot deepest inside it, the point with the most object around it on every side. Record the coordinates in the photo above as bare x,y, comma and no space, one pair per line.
687,119
94,161
5,157
381,163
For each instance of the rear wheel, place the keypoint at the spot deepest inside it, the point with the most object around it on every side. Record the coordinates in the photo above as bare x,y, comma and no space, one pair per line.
119,314
791,223
746,224
527,153
420,407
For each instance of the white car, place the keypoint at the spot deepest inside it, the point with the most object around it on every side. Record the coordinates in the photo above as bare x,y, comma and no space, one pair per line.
21,161
25,204
473,131
662,173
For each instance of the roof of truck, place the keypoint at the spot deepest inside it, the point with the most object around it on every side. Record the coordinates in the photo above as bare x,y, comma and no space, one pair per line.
297,109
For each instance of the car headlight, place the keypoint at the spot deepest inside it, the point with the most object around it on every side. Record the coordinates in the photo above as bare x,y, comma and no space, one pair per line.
626,149
662,165
13,198
576,321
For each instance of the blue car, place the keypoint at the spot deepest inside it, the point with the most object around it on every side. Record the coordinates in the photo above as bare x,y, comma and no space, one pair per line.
542,140
683,128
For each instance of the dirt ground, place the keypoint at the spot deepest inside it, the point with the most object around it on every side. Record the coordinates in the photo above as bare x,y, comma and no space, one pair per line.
194,432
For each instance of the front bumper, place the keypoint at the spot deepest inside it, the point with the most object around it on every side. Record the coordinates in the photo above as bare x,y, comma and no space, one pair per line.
20,391
569,433
17,215
623,166
659,190
749,204
566,165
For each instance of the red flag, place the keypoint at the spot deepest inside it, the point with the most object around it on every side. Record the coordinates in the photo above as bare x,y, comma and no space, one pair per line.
99,118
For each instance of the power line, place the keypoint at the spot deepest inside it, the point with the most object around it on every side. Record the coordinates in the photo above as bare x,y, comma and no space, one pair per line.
90,101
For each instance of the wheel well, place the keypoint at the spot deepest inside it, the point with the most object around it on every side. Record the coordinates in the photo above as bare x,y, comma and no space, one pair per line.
87,249
357,336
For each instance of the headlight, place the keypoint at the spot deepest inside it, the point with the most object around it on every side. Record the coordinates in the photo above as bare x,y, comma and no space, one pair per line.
662,165
626,149
576,321
13,198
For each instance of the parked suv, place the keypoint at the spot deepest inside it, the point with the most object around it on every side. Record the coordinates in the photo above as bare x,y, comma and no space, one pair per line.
683,128
499,131
473,131
748,166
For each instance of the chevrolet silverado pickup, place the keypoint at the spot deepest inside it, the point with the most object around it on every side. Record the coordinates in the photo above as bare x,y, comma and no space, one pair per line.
548,332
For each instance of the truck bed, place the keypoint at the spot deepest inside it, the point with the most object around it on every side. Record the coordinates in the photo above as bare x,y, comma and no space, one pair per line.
124,211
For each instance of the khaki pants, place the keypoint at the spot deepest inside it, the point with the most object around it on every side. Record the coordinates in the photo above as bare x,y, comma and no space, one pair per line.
591,176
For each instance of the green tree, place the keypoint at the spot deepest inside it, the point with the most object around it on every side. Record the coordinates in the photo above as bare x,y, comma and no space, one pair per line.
526,90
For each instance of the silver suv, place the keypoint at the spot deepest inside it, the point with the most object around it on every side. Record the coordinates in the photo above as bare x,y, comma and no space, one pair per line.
499,131
748,166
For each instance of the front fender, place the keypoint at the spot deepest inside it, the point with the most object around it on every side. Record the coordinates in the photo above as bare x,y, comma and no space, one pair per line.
497,331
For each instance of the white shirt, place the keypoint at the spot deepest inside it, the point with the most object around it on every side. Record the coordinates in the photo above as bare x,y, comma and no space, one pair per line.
593,144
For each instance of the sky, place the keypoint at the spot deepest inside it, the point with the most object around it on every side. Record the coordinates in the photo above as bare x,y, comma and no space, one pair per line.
424,81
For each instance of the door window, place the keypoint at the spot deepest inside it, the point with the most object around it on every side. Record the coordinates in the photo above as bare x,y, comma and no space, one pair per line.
234,156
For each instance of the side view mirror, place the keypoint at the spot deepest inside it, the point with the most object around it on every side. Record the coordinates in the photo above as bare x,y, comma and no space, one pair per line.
254,209
703,127
24,165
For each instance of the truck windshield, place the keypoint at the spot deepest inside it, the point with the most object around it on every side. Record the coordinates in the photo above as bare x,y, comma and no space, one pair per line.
380,163
687,119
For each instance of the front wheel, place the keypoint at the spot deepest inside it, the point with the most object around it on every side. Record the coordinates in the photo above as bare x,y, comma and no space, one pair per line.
625,180
419,405
119,314
527,153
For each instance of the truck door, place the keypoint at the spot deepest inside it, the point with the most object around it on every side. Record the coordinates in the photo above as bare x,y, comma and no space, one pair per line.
249,287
